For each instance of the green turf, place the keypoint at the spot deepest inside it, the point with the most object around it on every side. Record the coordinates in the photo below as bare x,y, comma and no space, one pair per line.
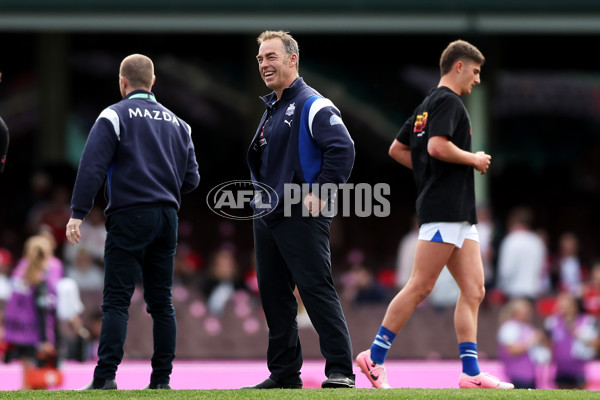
307,394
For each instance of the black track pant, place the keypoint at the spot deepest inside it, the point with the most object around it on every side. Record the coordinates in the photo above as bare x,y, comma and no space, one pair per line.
295,252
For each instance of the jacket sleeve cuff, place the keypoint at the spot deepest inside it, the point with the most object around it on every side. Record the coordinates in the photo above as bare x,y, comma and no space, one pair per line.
76,214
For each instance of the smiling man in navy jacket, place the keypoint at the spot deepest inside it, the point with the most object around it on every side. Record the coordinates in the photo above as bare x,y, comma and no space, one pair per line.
300,139
145,154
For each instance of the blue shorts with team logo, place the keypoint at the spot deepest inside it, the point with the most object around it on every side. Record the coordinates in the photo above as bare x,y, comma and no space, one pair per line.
448,232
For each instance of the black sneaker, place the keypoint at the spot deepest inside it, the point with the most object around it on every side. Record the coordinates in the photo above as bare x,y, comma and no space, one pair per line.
337,380
272,384
101,384
158,386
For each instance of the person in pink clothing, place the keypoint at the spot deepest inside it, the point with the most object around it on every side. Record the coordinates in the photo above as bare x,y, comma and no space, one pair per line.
30,315
520,343
54,266
575,341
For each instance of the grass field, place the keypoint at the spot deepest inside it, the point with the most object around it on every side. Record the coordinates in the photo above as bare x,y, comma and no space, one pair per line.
307,394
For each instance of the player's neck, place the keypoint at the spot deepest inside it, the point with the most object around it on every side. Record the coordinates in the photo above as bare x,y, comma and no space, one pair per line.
445,81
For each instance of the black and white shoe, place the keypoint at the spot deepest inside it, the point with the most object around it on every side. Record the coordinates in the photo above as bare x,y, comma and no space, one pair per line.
337,380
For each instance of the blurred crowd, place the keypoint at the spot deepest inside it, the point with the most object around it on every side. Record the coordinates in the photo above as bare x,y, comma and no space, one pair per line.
548,296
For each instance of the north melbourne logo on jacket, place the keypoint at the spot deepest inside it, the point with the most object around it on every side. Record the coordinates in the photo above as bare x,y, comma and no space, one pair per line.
290,110
335,120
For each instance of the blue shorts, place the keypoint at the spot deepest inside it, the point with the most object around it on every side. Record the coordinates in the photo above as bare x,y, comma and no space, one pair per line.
448,232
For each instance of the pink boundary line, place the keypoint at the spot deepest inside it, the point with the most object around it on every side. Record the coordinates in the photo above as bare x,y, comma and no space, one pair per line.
234,374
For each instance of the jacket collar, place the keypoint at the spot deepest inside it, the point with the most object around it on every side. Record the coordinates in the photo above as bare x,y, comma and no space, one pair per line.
141,94
288,93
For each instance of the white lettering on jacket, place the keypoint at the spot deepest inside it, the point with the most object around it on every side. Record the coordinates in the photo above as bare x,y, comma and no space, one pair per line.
156,115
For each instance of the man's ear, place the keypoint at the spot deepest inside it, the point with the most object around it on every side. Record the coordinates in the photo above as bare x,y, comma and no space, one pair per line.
459,66
294,59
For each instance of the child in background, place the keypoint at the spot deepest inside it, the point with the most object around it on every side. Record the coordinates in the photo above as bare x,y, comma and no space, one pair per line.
574,339
520,344
30,317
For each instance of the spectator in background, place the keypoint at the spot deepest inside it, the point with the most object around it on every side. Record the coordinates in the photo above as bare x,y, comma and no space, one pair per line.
445,292
69,310
93,239
406,254
187,267
591,290
360,286
88,275
485,227
222,280
521,257
54,270
520,343
575,341
569,266
547,285
6,260
30,316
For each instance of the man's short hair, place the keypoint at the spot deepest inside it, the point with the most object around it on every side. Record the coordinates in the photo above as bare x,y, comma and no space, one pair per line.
139,71
290,45
459,50
521,215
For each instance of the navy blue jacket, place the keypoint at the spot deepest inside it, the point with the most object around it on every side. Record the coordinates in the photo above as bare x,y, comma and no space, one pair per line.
306,140
142,150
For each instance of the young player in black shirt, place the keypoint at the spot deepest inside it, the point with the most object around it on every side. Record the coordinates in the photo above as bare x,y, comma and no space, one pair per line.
436,144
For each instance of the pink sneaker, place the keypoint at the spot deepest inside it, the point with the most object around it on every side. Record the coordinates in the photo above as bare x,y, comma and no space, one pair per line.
374,372
482,381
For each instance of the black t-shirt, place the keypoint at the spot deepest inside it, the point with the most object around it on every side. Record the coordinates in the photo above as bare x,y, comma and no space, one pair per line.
446,192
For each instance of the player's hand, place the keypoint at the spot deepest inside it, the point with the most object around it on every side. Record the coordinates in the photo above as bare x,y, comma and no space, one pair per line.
314,204
482,161
73,232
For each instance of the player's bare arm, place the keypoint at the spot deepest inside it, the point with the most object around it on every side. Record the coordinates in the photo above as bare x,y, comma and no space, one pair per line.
441,148
401,153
